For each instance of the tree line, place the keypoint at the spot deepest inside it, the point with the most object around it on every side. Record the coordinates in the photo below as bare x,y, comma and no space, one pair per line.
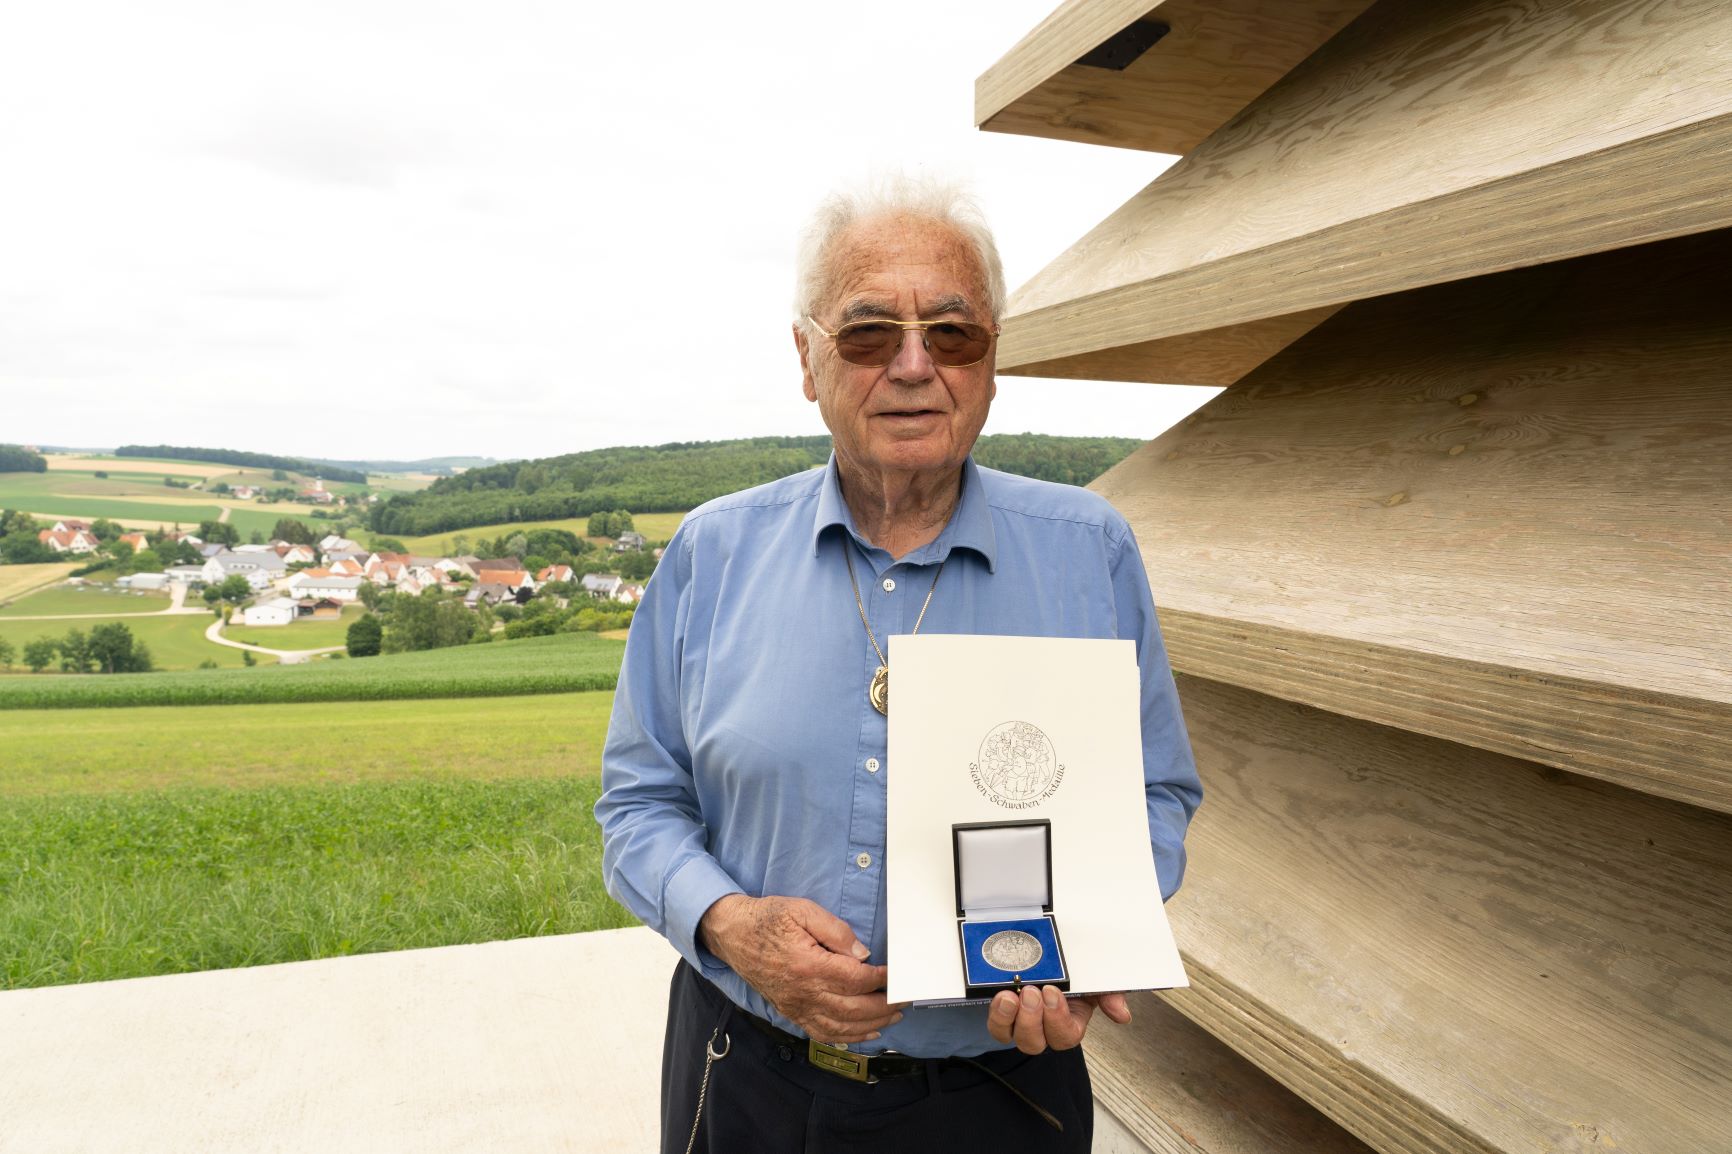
683,475
109,647
18,459
243,460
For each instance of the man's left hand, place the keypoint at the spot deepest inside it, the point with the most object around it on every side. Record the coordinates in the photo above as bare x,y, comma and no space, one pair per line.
1043,1018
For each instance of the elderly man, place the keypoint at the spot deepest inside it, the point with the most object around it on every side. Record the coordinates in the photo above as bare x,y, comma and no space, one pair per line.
743,810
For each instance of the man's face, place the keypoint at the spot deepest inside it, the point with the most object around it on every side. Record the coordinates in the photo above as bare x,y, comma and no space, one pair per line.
910,414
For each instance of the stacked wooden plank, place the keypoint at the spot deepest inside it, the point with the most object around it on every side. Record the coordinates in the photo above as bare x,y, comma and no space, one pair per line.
1446,570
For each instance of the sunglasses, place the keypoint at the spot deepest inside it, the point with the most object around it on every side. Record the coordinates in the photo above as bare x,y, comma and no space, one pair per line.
952,344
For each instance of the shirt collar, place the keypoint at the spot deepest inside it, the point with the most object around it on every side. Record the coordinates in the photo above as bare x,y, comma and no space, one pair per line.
969,527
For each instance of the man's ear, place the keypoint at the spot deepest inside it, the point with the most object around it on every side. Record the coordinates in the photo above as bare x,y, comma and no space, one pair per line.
808,384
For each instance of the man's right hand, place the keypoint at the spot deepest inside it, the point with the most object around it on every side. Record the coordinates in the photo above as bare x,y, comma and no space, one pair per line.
805,960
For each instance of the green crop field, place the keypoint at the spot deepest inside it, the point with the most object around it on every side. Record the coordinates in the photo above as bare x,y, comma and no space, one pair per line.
138,842
176,641
307,634
563,663
130,513
248,519
94,598
655,526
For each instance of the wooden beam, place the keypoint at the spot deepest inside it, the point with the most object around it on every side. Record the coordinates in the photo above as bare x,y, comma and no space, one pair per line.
1216,57
1219,357
1425,143
1449,950
1180,1090
1497,511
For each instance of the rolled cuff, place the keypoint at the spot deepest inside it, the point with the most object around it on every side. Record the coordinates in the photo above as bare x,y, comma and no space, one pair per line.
694,888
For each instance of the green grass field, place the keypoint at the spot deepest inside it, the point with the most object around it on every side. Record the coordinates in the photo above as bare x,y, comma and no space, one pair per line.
655,526
300,635
176,642
137,842
92,598
563,663
235,746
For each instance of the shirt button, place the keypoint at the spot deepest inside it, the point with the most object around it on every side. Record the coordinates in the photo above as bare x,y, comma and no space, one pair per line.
889,584
864,861
871,765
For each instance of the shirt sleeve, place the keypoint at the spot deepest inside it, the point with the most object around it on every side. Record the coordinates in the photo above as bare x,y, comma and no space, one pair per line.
655,848
1170,780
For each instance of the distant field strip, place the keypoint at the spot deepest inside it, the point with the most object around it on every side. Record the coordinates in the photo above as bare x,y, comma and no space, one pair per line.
242,746
654,526
564,663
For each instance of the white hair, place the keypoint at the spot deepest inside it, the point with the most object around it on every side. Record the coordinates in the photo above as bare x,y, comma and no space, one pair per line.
892,195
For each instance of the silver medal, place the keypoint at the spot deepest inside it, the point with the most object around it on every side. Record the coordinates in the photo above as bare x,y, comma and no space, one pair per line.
1011,950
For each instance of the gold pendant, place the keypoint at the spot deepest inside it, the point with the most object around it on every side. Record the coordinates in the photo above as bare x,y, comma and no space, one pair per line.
879,692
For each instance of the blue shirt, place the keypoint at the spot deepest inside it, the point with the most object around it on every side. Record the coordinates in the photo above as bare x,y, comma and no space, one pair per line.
743,755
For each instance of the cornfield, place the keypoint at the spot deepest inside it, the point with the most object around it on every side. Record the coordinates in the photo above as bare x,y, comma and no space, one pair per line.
563,663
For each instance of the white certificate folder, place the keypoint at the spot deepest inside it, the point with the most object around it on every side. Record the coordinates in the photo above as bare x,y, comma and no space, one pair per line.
1012,730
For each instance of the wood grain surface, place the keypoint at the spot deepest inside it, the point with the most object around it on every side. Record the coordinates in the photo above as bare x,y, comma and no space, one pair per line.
1450,950
1217,57
1424,143
1497,511
1180,1090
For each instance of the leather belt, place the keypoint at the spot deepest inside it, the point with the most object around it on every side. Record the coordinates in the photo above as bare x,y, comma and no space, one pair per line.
840,1060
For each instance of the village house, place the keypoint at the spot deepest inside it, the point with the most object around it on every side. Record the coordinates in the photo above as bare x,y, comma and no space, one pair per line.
68,525
335,544
136,540
324,609
244,492
185,574
603,585
67,540
317,493
259,568
320,583
293,554
628,540
556,573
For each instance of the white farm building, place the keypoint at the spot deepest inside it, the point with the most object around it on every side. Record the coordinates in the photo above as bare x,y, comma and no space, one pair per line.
274,612
305,585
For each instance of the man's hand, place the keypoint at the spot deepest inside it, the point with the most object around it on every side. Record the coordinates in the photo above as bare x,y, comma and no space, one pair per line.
805,960
1044,1018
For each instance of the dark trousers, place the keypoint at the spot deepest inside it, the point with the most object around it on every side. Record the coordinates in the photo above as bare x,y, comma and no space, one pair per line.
764,1097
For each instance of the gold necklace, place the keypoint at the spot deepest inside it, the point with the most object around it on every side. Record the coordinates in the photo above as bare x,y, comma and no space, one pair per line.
878,693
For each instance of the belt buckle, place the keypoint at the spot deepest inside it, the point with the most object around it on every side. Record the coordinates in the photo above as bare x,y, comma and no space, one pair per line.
838,1060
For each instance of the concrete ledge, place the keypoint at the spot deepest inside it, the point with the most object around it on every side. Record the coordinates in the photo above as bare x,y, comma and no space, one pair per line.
542,1044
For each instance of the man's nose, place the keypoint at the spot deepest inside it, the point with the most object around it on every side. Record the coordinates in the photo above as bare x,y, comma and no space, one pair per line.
912,364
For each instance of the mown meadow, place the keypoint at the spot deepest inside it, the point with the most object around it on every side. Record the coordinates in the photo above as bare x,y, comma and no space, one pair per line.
378,804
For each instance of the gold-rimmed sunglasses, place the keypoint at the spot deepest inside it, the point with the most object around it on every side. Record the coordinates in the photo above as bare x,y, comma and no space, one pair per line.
952,344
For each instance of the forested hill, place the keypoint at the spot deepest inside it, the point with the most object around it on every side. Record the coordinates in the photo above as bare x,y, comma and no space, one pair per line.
242,460
683,475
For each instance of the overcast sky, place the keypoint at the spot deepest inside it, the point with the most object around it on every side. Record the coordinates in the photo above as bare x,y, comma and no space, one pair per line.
393,230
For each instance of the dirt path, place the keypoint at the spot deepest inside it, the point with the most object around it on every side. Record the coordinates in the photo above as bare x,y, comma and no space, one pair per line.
223,517
285,656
